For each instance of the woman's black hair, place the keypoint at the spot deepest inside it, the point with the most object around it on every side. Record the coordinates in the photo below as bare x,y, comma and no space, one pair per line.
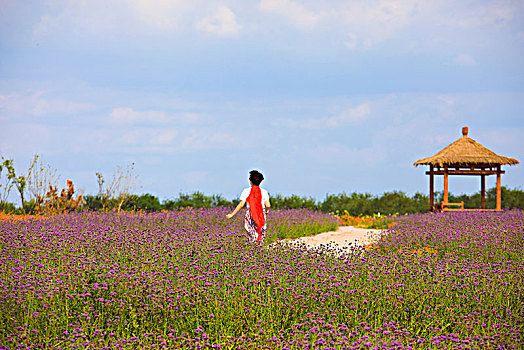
255,177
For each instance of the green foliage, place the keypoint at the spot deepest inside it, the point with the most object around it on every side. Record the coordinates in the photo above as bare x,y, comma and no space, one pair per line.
355,203
150,203
7,181
293,202
146,202
198,200
511,198
30,207
19,181
398,202
366,204
101,202
95,203
7,207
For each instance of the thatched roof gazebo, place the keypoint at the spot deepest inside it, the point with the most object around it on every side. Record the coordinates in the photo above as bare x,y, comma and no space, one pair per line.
465,157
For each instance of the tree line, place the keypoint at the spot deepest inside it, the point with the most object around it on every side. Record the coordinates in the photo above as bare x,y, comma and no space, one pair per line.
354,203
39,192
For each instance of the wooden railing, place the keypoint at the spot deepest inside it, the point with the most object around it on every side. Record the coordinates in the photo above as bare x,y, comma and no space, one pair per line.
445,206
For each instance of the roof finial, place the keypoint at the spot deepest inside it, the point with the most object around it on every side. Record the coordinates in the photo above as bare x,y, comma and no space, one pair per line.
464,131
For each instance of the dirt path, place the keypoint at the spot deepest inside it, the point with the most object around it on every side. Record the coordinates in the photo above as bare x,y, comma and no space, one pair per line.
343,237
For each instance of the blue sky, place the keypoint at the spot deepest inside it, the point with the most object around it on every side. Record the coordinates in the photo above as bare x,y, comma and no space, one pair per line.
322,97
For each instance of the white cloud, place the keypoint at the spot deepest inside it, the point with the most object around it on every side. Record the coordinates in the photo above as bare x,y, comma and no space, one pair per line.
164,137
464,59
119,19
350,115
355,42
131,137
356,114
194,118
299,15
161,14
357,24
46,25
388,12
128,115
372,22
201,139
167,140
222,23
82,19
421,24
448,100
496,13
16,105
149,138
113,20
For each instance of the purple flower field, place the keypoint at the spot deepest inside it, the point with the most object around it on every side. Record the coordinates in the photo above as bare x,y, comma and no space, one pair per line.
190,280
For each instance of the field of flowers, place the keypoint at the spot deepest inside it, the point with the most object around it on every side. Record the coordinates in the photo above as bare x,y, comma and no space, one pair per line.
190,280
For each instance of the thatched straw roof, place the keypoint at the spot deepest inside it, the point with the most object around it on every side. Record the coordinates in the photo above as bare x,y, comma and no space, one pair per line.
467,152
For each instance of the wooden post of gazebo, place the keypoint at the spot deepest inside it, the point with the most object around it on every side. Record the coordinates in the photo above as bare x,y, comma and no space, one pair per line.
499,189
465,157
482,191
445,200
431,189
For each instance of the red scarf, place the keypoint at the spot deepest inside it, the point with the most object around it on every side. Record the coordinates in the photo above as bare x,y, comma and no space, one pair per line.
255,207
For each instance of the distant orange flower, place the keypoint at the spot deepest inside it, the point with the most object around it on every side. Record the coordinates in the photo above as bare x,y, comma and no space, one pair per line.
12,217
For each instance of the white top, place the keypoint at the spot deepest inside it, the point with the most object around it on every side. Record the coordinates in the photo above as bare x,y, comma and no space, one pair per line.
247,191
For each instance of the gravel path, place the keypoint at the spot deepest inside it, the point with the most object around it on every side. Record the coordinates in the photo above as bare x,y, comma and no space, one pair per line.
343,237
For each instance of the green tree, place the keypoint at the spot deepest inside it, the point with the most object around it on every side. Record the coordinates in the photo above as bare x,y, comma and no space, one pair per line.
146,202
19,181
197,200
94,202
355,203
7,184
293,202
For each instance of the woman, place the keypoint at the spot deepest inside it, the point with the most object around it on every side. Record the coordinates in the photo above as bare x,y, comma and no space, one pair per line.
257,203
